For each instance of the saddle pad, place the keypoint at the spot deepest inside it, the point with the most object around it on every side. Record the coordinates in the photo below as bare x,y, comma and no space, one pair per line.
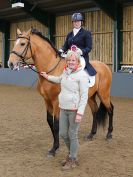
91,80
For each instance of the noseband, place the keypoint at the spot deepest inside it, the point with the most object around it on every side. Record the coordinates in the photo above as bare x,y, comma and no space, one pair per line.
23,55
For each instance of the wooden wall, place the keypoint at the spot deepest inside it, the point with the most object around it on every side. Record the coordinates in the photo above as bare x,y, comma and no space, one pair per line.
101,27
127,36
63,26
25,26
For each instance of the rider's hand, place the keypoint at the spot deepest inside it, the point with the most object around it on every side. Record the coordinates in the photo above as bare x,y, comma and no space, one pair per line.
79,51
60,52
44,74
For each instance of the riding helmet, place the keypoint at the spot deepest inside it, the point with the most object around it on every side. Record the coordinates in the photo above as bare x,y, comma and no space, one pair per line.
77,17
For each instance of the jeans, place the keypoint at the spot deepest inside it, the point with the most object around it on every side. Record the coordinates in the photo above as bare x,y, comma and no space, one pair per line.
68,130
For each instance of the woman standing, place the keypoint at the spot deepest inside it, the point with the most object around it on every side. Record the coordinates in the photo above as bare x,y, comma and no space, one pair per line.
72,101
82,39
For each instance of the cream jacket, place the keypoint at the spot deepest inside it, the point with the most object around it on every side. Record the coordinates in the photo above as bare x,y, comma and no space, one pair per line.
74,89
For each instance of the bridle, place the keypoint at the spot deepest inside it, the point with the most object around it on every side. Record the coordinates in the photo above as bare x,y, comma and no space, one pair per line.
24,53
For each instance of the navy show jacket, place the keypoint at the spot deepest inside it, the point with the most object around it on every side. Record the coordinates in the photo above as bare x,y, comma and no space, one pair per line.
82,40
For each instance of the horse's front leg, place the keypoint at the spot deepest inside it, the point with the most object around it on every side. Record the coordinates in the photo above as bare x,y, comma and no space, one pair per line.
53,123
94,127
94,109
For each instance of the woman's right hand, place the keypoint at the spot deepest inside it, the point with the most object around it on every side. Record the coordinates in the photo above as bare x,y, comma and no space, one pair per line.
78,118
44,74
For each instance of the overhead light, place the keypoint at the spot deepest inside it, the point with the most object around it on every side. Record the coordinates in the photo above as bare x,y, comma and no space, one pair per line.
17,5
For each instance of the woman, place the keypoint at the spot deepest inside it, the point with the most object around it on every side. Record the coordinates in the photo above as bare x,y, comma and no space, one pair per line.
72,101
82,39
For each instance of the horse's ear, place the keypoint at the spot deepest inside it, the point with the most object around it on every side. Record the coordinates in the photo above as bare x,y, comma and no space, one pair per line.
18,32
29,32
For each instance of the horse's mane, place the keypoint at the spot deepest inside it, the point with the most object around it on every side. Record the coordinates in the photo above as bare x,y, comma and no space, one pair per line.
38,33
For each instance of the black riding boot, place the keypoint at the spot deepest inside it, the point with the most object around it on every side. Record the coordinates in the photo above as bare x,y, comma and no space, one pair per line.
91,71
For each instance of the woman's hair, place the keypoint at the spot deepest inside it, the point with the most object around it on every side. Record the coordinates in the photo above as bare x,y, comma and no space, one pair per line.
70,53
77,55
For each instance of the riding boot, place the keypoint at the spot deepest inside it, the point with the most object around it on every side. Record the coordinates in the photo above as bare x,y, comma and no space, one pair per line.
91,71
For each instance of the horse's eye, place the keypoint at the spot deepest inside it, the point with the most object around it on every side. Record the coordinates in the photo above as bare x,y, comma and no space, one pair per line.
22,44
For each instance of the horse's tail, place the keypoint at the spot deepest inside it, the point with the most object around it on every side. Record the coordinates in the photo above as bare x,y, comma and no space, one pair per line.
102,115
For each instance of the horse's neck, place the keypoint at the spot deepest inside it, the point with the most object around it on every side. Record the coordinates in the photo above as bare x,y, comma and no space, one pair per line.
44,55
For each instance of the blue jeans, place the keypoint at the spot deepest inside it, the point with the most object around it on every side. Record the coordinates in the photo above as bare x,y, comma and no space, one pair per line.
68,130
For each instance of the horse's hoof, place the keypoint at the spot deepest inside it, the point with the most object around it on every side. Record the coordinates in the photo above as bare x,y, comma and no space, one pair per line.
49,155
52,152
89,137
109,137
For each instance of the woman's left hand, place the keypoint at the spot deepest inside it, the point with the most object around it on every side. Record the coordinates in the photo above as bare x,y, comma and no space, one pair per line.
78,118
44,74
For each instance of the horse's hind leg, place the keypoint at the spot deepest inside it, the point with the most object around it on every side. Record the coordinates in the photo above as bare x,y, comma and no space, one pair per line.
54,126
94,109
110,128
106,107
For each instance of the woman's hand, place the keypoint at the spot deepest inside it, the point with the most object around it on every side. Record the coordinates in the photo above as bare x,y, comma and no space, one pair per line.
44,74
78,118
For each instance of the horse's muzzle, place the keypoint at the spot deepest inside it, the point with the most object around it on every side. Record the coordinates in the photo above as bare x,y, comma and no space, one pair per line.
10,65
13,66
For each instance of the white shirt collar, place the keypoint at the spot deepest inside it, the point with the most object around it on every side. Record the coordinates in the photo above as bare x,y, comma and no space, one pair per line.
75,30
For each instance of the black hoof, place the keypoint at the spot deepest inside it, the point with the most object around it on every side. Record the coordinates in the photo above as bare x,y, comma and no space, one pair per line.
52,152
89,137
109,136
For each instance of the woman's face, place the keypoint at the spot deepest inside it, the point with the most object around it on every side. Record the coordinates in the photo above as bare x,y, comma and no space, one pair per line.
72,62
77,24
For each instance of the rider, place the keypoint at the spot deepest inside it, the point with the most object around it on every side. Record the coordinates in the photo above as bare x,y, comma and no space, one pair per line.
82,39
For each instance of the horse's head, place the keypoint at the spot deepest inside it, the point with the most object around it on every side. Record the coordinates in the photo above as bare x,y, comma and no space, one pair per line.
21,50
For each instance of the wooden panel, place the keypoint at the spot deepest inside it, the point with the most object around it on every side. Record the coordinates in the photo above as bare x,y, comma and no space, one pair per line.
63,26
25,26
127,36
101,27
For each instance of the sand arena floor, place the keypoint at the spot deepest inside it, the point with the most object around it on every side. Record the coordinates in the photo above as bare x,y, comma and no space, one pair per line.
25,139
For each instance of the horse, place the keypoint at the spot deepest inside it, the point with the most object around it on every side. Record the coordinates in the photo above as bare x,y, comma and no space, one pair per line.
33,44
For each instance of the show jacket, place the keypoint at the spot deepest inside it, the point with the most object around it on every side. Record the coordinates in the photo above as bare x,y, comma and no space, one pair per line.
82,40
74,90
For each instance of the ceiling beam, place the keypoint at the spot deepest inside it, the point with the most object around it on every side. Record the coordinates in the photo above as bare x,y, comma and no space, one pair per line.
110,7
6,9
69,5
36,13
12,15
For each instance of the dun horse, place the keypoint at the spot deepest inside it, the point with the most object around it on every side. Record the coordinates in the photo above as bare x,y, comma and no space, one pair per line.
45,56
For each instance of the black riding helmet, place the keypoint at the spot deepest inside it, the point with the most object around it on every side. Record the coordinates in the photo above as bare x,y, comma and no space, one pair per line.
77,17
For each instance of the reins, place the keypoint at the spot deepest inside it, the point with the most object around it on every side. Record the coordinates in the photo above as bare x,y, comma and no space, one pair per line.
23,56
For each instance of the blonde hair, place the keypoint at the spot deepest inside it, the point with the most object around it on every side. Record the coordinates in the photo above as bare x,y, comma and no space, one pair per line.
70,53
76,54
